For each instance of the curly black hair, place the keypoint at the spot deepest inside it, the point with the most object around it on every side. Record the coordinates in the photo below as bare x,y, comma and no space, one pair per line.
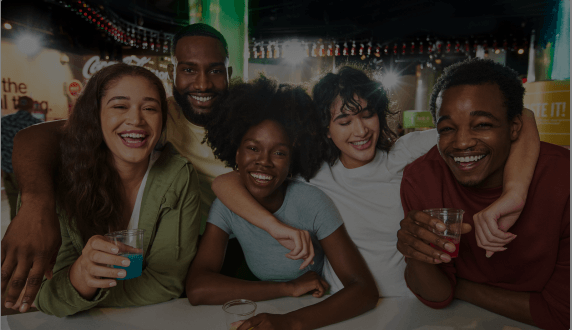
248,104
347,83
478,71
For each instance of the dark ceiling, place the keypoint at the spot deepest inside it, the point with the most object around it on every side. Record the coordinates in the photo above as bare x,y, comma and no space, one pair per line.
329,19
339,19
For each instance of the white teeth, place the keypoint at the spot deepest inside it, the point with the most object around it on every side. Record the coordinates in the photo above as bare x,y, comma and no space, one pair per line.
360,143
261,176
202,98
468,159
133,135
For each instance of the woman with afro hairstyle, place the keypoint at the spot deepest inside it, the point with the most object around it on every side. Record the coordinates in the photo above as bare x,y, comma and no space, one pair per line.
268,134
362,168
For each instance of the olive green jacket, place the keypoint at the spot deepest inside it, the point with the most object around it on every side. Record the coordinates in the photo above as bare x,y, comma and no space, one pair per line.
170,216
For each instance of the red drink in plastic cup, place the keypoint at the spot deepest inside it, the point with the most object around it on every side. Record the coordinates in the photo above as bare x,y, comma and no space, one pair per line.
453,254
453,220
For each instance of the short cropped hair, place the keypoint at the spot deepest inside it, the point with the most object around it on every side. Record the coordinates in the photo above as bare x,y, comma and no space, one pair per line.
347,83
198,29
248,104
478,71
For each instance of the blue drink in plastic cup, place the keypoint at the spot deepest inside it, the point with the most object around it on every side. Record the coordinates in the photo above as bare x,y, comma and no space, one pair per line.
130,244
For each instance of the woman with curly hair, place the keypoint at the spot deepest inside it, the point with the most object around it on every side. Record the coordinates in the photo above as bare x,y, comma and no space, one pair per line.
361,172
268,134
111,179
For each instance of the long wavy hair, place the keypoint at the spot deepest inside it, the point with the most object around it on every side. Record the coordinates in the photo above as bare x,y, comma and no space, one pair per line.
89,188
347,83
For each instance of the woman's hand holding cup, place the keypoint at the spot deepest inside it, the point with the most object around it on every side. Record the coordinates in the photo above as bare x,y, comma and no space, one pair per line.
90,271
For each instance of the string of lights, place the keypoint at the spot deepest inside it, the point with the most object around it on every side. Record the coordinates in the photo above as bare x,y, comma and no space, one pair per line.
118,29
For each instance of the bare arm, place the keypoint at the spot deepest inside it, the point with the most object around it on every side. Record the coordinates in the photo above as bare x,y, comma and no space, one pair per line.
206,286
492,223
422,272
427,281
33,236
512,304
230,189
357,297
359,293
522,158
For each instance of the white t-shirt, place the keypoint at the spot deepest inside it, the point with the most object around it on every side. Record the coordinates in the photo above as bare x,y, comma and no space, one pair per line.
368,200
134,220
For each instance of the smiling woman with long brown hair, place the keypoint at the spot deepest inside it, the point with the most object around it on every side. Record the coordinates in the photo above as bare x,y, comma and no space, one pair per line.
111,179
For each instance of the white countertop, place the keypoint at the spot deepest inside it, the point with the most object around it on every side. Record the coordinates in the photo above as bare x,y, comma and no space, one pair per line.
390,313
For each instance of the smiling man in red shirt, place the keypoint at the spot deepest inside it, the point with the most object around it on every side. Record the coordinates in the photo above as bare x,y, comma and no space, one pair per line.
477,108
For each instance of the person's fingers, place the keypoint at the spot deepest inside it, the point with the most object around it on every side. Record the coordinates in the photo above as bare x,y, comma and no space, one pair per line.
17,283
320,289
35,277
323,288
495,249
423,234
492,226
412,247
491,234
465,228
102,271
425,219
107,259
100,282
309,258
101,244
483,242
298,245
8,266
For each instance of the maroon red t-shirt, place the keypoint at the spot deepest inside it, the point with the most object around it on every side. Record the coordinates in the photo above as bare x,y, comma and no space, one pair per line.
537,261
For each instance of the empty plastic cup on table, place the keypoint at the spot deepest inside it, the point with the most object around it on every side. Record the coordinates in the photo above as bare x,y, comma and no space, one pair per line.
238,310
453,220
130,244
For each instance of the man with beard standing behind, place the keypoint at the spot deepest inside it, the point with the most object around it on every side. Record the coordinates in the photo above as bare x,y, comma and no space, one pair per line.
200,73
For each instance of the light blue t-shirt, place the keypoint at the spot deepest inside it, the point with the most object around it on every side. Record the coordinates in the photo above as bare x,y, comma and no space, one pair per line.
304,207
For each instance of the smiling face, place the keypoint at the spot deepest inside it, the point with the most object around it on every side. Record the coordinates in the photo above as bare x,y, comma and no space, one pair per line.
474,133
131,119
200,76
355,135
263,160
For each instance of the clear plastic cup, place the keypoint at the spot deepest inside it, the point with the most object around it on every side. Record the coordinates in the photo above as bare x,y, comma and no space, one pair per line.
238,310
130,244
453,220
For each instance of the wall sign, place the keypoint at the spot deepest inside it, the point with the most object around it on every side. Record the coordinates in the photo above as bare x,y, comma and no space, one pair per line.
550,102
74,88
417,119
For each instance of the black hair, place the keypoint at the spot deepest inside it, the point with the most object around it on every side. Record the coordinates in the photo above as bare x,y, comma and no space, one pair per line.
248,104
478,71
347,83
198,29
